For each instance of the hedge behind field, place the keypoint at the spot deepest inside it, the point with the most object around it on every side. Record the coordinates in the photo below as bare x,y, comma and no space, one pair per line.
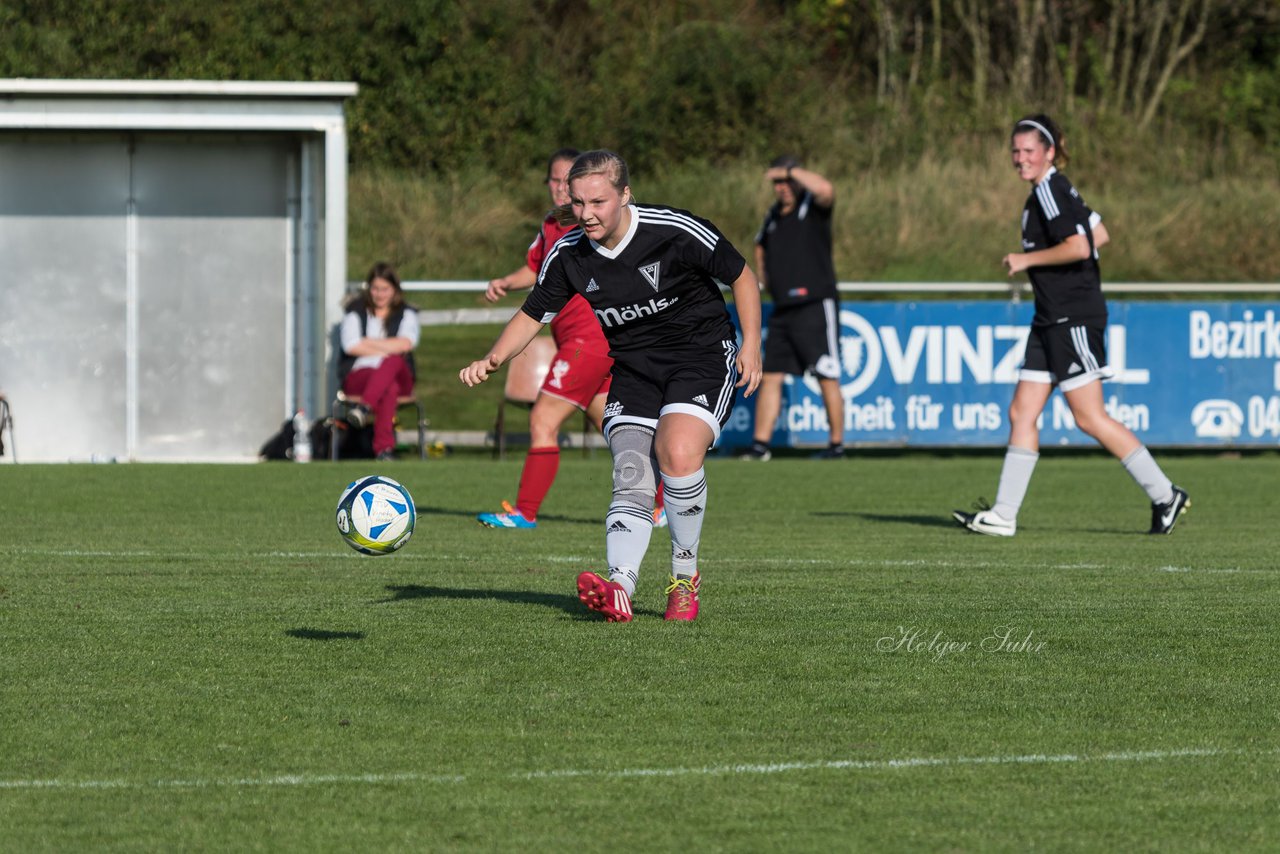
493,85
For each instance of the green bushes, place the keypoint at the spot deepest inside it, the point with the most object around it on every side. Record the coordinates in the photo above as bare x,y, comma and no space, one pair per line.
493,84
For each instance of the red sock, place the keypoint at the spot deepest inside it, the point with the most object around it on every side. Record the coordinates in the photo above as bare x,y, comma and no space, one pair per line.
658,504
539,473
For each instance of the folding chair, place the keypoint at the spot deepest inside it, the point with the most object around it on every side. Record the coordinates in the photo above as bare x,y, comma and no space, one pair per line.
343,403
525,374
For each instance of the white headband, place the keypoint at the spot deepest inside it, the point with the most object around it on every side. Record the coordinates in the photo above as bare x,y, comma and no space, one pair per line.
1044,130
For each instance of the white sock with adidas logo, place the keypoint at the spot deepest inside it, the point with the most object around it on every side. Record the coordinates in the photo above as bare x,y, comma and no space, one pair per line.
686,499
627,529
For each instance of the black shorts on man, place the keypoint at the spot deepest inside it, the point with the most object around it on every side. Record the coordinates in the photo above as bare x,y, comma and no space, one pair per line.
1065,355
802,338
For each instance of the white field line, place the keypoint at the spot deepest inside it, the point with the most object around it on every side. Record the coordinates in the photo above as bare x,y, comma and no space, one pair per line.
409,556
285,780
340,553
925,563
1224,569
918,762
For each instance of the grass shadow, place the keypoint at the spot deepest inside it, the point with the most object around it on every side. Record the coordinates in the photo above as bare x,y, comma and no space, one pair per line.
927,521
947,522
467,514
323,634
558,601
573,520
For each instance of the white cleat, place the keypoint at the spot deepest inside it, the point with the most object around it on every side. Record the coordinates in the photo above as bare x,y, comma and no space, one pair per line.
986,522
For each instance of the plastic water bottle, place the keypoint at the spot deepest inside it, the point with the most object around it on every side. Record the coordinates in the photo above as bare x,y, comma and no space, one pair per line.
301,438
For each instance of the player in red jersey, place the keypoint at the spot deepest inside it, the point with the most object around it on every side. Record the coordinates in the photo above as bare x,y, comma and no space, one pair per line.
579,376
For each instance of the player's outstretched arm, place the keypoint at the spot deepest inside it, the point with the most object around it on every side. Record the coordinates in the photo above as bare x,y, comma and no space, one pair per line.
516,280
517,334
746,297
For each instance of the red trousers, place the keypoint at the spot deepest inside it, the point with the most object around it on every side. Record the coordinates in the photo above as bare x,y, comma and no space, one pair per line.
379,387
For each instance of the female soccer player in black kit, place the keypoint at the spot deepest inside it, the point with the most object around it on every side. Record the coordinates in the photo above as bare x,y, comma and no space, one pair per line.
1065,347
651,275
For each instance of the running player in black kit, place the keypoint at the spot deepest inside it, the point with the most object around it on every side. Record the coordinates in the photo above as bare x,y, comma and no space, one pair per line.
1065,347
651,275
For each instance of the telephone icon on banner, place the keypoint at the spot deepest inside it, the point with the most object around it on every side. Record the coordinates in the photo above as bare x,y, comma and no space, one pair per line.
1217,419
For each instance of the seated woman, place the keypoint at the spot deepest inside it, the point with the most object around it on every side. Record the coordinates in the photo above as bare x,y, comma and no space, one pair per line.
379,333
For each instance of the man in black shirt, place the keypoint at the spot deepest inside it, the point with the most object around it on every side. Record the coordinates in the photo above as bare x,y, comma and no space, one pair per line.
793,255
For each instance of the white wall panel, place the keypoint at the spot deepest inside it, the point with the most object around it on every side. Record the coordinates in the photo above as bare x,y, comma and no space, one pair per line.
212,293
62,294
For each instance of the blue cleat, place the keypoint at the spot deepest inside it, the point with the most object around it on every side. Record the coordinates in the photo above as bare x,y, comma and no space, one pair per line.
510,519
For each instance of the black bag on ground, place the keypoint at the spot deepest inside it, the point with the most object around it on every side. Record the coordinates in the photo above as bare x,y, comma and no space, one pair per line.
279,446
354,443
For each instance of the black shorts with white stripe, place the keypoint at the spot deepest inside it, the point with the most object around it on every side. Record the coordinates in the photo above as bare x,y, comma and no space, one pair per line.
804,337
1066,355
699,382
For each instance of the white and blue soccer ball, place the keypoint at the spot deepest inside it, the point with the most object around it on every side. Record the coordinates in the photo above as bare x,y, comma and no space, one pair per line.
376,515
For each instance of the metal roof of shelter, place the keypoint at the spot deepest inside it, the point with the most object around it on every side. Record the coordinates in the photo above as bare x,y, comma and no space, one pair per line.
179,88
173,105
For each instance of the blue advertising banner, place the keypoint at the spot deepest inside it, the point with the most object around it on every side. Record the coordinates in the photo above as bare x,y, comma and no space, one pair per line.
943,373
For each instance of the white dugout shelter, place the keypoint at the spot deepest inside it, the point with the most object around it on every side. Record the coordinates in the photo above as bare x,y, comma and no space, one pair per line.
172,254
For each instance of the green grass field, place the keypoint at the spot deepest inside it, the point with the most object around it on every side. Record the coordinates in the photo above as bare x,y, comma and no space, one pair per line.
192,660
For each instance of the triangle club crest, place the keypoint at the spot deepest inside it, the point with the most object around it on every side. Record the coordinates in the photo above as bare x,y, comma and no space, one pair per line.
650,273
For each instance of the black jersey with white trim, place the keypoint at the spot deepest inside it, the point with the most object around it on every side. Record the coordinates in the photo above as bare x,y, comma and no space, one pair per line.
658,288
1064,292
797,252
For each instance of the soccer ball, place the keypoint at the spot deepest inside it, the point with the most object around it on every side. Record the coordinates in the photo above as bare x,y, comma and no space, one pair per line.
376,515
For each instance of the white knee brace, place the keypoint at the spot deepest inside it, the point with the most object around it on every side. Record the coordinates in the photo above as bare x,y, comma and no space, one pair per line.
635,470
